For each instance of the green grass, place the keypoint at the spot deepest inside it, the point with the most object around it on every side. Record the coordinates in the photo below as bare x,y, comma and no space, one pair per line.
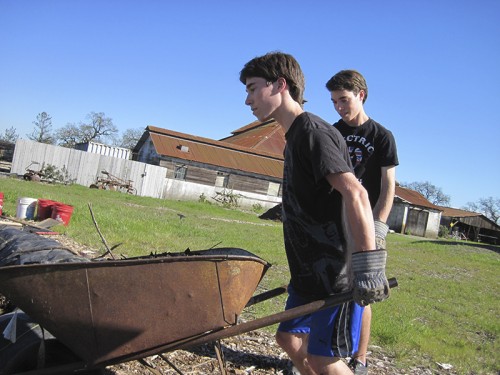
445,308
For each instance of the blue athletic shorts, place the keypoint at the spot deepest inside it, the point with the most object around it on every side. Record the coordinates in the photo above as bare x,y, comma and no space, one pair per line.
333,332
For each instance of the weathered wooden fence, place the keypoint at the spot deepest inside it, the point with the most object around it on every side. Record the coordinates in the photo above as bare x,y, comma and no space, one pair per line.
150,180
85,167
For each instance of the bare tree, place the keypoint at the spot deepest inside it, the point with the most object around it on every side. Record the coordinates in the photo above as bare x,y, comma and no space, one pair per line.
43,129
489,207
129,138
431,192
10,135
69,135
99,127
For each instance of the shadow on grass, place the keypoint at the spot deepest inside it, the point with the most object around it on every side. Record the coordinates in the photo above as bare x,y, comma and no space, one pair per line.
494,248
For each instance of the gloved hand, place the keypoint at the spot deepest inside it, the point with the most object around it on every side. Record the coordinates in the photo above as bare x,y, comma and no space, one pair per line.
381,230
370,282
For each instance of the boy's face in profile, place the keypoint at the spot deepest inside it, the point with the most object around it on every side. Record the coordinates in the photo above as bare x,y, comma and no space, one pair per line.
347,104
262,97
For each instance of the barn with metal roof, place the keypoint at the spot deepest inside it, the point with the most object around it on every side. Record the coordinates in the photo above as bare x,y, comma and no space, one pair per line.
239,163
470,225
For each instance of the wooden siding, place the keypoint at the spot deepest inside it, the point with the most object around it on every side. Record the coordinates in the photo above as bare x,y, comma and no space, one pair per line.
85,167
417,222
246,183
207,175
194,173
397,217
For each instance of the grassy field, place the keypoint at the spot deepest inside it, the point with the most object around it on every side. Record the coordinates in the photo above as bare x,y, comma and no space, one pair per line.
446,308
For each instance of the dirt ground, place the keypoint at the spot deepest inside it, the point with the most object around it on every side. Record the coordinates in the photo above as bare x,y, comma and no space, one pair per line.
252,353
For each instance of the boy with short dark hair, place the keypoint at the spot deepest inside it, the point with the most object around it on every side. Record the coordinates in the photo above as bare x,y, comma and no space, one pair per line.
327,221
374,157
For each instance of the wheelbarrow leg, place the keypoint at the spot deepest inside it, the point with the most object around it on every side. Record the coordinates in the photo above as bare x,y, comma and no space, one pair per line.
171,364
220,357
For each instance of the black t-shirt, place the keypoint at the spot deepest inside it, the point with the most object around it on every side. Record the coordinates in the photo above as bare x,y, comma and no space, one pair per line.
312,211
371,147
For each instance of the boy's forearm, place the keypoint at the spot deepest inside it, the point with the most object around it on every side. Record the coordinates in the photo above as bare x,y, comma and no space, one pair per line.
358,212
360,219
385,200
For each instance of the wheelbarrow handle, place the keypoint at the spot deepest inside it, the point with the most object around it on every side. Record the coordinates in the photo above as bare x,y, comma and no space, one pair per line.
266,295
277,318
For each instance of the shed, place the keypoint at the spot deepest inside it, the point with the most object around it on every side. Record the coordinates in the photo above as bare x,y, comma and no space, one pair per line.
412,213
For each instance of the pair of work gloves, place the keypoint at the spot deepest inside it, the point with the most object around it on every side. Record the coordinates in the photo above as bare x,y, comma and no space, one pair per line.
370,282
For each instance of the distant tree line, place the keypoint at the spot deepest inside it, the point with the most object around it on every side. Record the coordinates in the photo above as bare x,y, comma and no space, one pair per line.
96,128
489,207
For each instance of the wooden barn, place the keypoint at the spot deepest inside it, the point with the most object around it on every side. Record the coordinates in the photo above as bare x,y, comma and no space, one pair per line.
246,161
470,225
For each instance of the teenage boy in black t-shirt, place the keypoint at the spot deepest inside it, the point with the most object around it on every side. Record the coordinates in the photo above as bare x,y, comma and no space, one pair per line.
327,221
373,153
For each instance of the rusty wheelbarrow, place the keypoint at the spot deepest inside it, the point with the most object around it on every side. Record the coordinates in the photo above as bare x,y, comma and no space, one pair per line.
112,311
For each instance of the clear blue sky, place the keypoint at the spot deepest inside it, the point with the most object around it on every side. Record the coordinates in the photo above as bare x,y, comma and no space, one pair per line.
432,66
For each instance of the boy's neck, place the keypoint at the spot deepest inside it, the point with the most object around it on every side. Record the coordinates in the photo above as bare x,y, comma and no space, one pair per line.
359,120
286,116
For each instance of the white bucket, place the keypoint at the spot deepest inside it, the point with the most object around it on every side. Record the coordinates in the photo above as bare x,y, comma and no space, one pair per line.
26,208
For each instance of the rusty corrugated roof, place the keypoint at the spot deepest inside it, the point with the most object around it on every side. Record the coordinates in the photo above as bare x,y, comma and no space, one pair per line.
217,153
415,198
266,136
252,125
455,212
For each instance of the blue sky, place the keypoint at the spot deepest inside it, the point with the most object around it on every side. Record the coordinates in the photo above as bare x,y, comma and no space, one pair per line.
432,67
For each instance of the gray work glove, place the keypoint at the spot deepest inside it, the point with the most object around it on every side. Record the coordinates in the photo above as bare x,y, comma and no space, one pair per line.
370,282
381,230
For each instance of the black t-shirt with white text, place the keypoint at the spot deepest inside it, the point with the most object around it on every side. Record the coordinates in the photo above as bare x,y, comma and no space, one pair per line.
371,147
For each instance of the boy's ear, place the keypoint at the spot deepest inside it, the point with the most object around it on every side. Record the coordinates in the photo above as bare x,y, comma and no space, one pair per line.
281,83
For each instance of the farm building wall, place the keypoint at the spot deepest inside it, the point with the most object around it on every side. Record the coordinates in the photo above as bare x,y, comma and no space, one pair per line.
408,219
397,217
433,222
147,153
221,177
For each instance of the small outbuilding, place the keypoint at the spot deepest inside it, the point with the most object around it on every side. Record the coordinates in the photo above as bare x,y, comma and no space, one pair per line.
413,214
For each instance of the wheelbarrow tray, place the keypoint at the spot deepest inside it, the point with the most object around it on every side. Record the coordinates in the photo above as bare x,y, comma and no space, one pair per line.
110,309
